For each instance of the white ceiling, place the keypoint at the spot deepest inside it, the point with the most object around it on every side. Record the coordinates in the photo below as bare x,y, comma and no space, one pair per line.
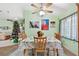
61,8
15,10
11,11
58,9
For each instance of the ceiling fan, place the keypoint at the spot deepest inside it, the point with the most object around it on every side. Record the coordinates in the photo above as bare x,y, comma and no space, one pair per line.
42,9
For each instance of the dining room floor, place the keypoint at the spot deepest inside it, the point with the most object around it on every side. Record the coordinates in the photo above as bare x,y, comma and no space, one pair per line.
30,52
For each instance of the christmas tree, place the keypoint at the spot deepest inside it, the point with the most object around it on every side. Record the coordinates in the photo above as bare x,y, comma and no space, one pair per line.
16,30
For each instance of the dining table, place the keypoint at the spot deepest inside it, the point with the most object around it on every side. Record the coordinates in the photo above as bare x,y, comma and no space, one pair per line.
29,45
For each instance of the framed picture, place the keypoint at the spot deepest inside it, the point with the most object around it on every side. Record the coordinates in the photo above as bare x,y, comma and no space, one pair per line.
34,24
45,24
52,24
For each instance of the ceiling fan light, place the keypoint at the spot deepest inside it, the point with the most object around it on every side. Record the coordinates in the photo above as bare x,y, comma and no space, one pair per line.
41,13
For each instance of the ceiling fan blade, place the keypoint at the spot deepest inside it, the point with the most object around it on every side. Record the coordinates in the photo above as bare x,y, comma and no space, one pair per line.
35,12
34,6
48,4
49,11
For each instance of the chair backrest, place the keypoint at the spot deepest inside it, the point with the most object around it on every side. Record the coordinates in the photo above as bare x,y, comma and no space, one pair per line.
40,42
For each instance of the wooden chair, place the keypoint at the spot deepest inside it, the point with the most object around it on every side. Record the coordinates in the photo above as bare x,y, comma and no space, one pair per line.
40,45
26,52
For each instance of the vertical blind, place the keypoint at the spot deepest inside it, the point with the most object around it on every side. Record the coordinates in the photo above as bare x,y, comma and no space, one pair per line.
68,27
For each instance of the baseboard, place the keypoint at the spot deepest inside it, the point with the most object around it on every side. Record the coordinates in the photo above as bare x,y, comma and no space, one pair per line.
68,52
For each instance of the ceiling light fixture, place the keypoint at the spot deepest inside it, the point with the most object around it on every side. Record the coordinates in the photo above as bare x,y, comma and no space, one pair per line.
41,13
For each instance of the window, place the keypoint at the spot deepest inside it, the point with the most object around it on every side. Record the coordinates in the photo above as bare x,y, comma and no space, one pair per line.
74,27
68,27
62,28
